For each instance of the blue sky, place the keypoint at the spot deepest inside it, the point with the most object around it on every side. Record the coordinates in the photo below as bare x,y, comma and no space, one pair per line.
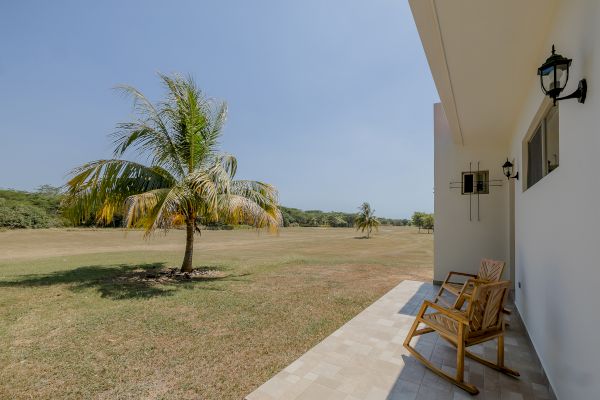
331,101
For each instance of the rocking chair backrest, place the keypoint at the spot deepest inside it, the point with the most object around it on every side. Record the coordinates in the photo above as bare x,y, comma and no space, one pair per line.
485,309
490,270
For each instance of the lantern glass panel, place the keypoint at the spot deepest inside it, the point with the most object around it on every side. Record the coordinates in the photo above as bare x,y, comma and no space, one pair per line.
548,80
562,74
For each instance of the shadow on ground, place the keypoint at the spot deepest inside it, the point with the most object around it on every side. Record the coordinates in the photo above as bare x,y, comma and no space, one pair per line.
124,281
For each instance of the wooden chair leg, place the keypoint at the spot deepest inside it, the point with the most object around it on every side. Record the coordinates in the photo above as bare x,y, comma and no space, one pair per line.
460,300
500,362
415,325
458,380
439,300
460,354
439,295
500,358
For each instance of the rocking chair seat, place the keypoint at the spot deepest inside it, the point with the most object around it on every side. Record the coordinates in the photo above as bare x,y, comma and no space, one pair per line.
448,327
442,323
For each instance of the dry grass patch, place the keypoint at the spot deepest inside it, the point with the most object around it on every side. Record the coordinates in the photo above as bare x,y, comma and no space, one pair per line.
107,325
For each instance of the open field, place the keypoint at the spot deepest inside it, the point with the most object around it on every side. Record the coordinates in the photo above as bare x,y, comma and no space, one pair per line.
79,319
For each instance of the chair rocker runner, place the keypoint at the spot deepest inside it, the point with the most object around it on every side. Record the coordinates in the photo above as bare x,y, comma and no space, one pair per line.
482,321
489,271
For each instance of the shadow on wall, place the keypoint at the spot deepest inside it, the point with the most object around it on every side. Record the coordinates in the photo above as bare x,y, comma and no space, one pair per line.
126,281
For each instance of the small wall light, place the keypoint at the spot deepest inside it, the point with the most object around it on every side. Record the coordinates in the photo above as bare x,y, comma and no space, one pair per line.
507,168
554,75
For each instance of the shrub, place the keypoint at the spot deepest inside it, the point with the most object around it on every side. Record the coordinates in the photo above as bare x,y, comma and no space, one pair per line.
19,209
24,216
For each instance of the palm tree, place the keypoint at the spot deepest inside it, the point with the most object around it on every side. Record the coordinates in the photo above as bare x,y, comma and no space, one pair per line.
366,220
187,182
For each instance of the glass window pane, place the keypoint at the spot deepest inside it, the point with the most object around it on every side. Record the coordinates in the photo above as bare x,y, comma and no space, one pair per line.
552,139
534,164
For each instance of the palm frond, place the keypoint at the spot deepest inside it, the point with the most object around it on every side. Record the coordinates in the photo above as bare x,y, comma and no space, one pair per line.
150,133
98,189
157,209
195,119
235,209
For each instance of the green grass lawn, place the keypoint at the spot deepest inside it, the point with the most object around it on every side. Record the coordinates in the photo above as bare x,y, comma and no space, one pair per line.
79,319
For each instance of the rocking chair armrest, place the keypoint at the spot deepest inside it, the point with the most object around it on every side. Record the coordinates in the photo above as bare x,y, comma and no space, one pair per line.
452,313
475,281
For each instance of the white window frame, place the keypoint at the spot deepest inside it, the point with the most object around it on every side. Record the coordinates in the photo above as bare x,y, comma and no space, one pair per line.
540,121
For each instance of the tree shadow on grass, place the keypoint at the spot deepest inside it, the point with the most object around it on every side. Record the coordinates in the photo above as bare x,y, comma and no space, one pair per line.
126,281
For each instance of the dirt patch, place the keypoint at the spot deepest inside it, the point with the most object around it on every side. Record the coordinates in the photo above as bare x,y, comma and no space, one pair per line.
171,275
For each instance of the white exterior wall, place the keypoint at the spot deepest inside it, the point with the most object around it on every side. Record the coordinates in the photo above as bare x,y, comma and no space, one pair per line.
557,220
460,243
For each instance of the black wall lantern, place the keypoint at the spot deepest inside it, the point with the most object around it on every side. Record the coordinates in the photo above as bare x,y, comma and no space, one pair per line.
554,75
507,168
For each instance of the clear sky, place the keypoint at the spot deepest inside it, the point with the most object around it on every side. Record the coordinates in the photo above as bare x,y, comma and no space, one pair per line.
329,100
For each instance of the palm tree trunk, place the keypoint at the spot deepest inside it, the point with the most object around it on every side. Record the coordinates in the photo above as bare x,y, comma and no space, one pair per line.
186,266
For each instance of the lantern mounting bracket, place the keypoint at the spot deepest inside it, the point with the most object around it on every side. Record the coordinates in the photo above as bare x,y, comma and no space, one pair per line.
579,94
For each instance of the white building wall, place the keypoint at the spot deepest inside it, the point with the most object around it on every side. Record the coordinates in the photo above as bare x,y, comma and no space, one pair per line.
557,220
461,243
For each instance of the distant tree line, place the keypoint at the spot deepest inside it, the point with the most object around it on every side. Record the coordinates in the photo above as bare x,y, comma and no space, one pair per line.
42,209
335,219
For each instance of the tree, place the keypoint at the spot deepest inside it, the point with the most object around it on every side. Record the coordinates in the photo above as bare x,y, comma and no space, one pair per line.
422,220
366,220
48,190
428,222
188,181
417,219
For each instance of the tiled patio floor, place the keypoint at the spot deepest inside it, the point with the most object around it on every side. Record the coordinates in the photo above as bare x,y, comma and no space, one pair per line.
365,359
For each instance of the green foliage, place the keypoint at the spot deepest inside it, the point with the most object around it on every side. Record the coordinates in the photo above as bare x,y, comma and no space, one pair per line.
40,209
428,222
366,219
423,220
335,219
296,217
394,222
23,216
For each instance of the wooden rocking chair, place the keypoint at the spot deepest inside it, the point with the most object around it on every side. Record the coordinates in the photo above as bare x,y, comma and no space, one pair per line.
489,271
481,322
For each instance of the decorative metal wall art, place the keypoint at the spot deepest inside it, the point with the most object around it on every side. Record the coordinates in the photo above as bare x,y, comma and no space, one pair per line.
474,184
